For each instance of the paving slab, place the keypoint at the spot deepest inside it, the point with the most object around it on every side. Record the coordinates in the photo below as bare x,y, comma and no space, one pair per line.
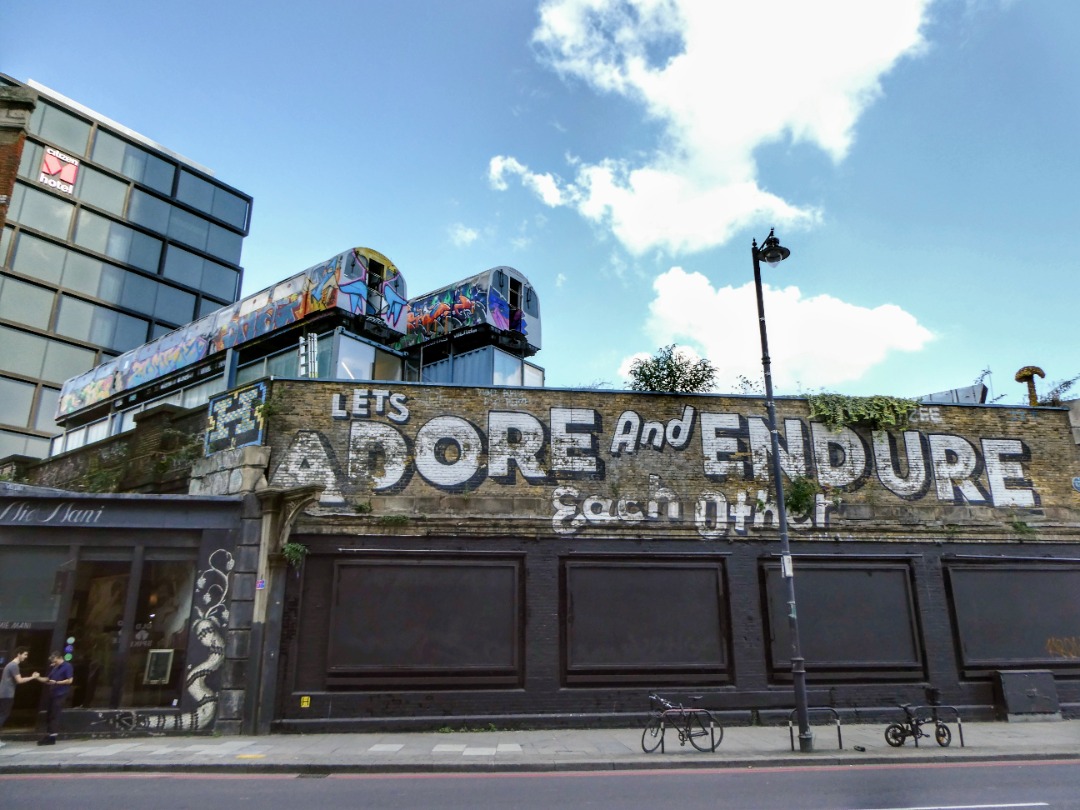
540,750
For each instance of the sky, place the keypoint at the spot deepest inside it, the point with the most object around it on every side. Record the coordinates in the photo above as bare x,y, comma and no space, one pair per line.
918,158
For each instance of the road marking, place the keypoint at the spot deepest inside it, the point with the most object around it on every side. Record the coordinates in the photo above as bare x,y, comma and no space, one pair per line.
385,748
969,806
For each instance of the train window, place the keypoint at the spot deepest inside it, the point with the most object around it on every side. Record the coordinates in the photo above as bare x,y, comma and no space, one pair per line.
515,294
531,304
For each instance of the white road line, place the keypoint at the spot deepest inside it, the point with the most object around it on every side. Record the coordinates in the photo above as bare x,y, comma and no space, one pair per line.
969,806
385,748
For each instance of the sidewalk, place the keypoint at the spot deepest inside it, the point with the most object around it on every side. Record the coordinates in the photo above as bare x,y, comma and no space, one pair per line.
493,751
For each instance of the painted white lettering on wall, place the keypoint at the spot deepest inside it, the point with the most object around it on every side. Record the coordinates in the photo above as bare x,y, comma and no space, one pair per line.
517,448
65,512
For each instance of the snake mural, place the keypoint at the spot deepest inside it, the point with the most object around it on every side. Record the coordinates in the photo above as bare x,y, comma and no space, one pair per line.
211,620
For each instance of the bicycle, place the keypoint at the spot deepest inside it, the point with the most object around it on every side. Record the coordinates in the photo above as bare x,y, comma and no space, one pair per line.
897,733
694,725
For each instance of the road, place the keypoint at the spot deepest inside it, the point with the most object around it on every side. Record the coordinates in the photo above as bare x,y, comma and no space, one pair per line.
972,786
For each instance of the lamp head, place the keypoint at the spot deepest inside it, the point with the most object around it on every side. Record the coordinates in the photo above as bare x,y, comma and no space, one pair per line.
772,252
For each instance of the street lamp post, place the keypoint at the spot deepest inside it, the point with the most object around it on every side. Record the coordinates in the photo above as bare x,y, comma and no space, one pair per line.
772,252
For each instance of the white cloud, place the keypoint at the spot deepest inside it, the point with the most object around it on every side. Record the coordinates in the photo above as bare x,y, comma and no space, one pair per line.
463,236
722,79
560,279
816,342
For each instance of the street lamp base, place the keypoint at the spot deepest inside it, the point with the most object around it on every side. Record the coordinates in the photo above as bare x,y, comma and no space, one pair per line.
806,742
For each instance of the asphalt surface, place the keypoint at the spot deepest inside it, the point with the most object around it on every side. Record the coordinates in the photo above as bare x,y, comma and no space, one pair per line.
543,750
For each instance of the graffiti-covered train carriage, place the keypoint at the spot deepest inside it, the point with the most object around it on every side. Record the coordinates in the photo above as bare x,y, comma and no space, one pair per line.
354,321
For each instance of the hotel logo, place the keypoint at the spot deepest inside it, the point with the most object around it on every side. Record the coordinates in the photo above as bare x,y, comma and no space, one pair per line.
59,171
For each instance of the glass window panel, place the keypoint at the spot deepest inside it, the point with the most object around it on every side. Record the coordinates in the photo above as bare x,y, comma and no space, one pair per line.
30,162
149,211
507,369
139,293
45,416
174,305
159,329
162,622
219,281
127,419
388,366
44,212
92,231
109,151
7,235
23,352
534,376
17,397
28,583
75,439
195,191
12,444
200,394
208,305
129,332
283,365
252,371
38,258
182,266
63,361
159,174
63,129
355,359
84,274
133,162
75,319
230,208
145,252
188,228
101,190
97,431
224,244
25,303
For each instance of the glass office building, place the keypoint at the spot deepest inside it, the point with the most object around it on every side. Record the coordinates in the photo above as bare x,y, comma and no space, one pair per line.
110,241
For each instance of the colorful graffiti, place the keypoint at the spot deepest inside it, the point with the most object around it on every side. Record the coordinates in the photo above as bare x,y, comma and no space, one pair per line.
334,283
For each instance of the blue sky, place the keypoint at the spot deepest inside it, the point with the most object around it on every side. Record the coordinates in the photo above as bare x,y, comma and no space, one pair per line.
918,158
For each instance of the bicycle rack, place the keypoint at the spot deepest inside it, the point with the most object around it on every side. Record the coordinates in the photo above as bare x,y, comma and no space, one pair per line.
811,710
934,709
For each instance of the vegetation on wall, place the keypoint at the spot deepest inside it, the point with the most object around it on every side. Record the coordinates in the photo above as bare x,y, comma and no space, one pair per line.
800,494
876,412
294,553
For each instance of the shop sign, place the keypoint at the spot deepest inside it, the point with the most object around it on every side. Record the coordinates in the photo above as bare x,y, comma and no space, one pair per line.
58,170
67,513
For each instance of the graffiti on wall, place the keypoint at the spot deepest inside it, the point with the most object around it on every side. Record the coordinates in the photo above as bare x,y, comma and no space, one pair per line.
711,468
234,419
210,616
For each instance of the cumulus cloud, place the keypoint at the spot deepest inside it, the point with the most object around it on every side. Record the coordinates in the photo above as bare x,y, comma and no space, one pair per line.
819,340
463,236
721,79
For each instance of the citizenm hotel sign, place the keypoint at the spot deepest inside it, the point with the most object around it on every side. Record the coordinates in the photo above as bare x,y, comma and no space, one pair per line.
58,170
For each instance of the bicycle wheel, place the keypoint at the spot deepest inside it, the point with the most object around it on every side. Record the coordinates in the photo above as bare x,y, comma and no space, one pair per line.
704,732
653,735
942,735
894,735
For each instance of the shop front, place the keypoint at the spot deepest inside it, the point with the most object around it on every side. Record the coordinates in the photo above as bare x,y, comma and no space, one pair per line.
134,590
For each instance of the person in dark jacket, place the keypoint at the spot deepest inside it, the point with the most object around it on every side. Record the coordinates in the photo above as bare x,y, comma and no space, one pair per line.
59,682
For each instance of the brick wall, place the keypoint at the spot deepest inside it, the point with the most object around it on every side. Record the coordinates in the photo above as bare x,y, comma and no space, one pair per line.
16,104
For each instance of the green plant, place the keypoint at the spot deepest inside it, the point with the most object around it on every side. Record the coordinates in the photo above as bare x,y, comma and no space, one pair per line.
1021,528
294,553
672,370
876,412
800,494
363,508
393,520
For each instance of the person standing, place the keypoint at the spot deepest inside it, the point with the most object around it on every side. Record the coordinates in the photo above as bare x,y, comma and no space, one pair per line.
9,679
59,682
